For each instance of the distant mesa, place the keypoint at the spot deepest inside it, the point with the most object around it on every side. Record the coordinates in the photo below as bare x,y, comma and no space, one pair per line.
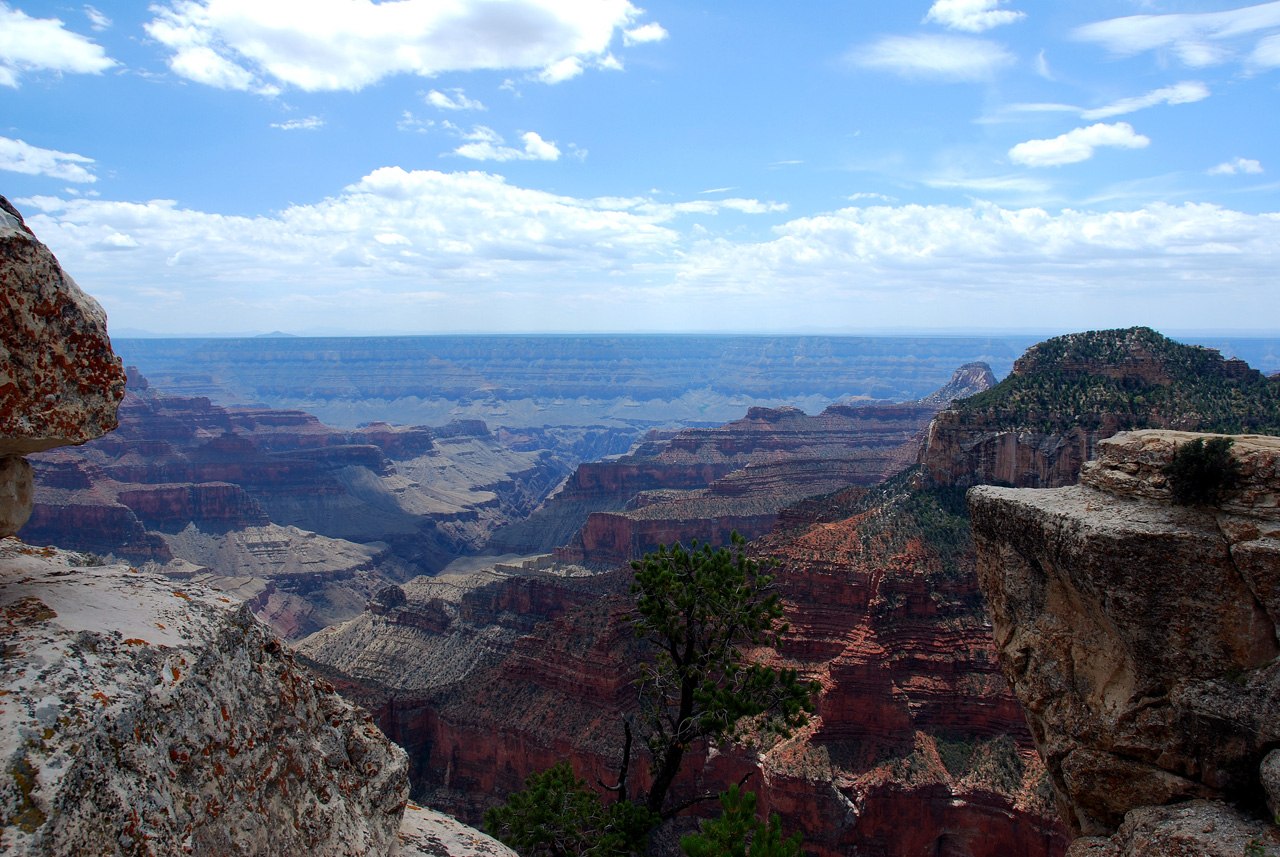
276,334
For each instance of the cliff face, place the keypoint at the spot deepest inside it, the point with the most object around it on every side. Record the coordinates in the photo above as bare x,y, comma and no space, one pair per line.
918,747
1037,427
1140,636
705,483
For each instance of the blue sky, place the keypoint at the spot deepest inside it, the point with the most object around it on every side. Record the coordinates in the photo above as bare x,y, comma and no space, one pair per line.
343,166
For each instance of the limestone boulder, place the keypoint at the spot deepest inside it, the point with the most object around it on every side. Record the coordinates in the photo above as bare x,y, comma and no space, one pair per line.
142,716
60,382
1140,636
1198,828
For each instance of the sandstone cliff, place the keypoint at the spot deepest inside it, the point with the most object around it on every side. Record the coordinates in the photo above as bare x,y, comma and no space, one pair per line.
1039,425
704,483
1141,639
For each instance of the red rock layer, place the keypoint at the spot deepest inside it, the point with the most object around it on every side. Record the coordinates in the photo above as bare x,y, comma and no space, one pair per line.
918,746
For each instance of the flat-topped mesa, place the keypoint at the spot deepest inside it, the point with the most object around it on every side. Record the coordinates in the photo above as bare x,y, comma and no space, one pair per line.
1139,635
60,382
1037,427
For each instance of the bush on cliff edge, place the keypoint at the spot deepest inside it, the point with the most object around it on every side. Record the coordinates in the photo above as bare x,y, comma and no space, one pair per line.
1201,471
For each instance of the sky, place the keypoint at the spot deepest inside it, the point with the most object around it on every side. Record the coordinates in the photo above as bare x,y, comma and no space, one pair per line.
424,166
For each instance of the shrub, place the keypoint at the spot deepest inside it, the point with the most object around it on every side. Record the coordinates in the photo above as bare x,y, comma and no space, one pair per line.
739,833
1201,471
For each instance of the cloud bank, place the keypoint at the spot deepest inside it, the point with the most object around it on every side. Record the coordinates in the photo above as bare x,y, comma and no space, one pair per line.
318,45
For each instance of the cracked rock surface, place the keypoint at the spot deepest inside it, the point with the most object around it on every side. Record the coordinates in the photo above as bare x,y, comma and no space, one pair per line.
1140,636
140,716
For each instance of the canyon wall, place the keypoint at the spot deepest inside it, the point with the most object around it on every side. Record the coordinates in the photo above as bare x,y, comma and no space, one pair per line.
704,483
301,519
1140,637
1039,425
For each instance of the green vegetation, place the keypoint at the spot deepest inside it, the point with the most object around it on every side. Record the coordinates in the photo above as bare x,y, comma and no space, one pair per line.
697,609
557,815
739,833
1131,379
1200,472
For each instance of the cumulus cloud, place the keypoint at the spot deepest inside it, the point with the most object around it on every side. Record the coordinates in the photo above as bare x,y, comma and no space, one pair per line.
1023,255
44,44
317,45
951,58
398,249
972,16
558,72
310,123
1196,39
1180,93
1077,145
487,146
454,99
1236,165
651,32
19,157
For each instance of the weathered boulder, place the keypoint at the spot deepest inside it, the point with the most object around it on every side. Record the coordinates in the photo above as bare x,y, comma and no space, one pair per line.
426,833
1140,636
145,717
1199,828
60,382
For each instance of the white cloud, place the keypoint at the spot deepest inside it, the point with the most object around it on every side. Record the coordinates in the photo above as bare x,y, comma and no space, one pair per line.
718,189
1180,93
1236,165
972,16
651,32
1268,52
953,58
425,250
1028,256
317,45
996,185
19,157
867,195
97,20
488,147
409,122
457,101
1042,66
1196,39
1076,145
558,72
40,44
310,123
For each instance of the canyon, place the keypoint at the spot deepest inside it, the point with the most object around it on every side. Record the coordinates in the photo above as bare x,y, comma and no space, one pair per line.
303,520
139,715
1129,711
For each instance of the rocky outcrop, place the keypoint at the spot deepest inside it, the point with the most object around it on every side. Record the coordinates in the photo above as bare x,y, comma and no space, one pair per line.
1042,423
146,717
60,382
1140,636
